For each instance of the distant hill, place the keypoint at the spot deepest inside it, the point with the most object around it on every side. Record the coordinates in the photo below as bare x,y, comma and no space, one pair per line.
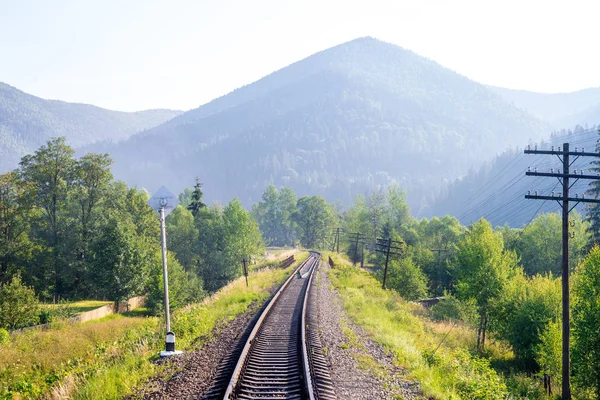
496,191
561,110
27,122
338,123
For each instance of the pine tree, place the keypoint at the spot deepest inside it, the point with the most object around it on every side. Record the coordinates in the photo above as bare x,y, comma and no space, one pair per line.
196,203
593,214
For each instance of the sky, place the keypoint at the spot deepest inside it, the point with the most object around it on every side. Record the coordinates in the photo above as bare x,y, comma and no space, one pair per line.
179,54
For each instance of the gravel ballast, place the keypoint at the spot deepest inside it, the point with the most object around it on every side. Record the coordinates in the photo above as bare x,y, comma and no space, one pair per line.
346,343
192,375
359,368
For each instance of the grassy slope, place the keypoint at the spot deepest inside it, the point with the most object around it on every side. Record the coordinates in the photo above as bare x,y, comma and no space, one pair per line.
451,371
107,358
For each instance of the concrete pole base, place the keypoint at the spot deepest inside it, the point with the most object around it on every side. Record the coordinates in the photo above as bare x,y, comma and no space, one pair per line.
165,353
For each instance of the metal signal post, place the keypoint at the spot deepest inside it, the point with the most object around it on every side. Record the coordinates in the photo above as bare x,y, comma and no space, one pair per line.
564,201
164,202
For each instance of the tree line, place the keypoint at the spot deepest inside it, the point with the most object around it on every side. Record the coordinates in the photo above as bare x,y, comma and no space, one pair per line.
504,281
69,231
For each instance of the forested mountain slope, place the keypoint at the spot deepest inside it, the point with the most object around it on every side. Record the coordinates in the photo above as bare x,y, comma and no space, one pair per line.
337,123
559,109
27,122
497,190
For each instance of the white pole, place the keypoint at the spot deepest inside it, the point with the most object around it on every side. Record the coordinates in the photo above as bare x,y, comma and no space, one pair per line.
165,273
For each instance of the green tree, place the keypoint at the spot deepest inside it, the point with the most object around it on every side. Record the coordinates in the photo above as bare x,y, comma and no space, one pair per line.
593,210
15,213
287,206
524,310
196,204
397,210
315,220
405,277
226,237
211,244
586,320
121,270
548,354
19,306
539,245
92,178
241,234
184,287
269,216
182,237
483,268
376,213
49,172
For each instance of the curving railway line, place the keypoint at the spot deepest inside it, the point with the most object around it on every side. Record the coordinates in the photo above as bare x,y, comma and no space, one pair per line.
282,357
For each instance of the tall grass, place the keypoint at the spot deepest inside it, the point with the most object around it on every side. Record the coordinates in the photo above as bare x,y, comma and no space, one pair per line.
440,356
108,358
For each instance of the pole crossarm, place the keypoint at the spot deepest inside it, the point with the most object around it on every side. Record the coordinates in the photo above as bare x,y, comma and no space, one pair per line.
562,153
555,175
559,198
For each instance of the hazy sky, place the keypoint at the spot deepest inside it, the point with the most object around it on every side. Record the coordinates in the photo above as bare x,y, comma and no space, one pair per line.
138,54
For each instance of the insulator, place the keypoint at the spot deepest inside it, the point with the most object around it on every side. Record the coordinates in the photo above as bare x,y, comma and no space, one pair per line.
535,169
575,171
583,149
583,196
576,195
581,172
536,192
528,192
559,171
535,147
552,148
528,147
559,194
551,170
558,148
575,148
528,169
553,193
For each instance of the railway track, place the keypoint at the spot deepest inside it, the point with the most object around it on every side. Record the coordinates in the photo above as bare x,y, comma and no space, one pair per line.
282,357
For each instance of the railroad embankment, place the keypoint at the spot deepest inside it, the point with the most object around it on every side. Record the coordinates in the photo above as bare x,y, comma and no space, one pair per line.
111,357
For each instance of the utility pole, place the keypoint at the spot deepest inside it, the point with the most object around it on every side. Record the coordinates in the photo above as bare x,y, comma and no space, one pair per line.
245,269
362,254
355,237
564,201
336,240
390,248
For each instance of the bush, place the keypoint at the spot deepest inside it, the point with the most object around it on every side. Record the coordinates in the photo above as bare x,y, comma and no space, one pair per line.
19,306
61,311
475,379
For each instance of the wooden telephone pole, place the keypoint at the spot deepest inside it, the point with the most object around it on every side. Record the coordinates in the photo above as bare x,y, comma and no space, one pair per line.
355,237
388,247
564,200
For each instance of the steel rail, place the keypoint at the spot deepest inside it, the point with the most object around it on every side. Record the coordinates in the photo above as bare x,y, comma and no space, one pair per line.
242,360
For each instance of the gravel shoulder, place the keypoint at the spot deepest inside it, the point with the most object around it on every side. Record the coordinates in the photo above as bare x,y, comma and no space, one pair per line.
359,368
